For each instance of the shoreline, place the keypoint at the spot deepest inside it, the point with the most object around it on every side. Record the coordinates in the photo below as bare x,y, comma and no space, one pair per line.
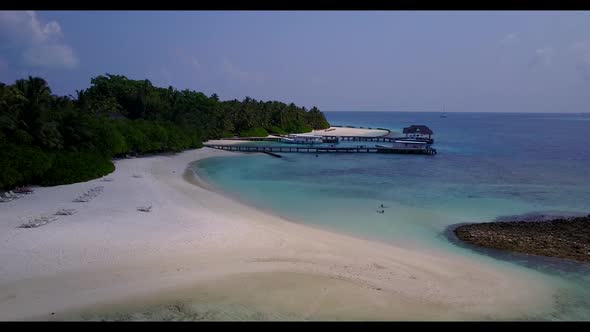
196,179
197,239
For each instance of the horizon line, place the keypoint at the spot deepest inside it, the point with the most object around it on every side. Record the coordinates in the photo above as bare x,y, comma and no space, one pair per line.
455,112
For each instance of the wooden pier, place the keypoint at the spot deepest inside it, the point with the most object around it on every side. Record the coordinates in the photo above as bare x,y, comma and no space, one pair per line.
317,149
268,139
411,144
331,139
385,139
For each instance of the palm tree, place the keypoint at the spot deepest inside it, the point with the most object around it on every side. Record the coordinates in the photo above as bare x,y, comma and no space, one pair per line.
35,93
33,116
34,89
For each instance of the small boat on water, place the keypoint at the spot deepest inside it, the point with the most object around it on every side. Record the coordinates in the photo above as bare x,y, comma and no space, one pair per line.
407,146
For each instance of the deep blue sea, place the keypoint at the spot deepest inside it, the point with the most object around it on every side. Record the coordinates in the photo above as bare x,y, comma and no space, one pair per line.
488,165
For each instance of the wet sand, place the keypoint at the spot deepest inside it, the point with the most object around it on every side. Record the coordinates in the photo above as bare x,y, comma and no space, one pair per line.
201,255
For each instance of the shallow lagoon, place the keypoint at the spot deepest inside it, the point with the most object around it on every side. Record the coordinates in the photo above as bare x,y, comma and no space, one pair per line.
488,165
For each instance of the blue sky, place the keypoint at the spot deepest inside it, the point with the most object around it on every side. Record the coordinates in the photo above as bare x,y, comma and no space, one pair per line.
338,61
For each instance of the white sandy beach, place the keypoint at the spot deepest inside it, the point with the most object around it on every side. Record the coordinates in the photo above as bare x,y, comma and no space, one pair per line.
201,255
332,131
346,131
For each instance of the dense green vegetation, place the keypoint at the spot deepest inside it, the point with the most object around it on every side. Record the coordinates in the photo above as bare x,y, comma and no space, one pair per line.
254,132
49,140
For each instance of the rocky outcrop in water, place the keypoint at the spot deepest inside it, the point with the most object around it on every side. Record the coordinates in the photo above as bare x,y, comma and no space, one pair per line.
561,237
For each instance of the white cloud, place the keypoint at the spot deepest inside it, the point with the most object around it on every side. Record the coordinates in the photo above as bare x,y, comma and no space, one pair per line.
51,56
40,44
510,38
583,46
3,65
189,60
236,73
544,55
582,58
233,71
195,63
166,75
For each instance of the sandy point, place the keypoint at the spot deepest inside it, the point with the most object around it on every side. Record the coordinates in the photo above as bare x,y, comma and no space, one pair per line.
351,131
201,255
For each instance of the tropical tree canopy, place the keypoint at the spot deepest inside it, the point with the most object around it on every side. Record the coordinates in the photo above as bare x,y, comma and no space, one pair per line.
48,139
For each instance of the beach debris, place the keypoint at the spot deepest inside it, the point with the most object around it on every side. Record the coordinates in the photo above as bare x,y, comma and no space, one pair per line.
9,196
107,180
66,212
38,221
89,195
24,190
139,176
145,208
5,197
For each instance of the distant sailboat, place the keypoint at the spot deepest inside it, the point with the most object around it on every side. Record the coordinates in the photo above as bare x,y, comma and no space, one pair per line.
443,115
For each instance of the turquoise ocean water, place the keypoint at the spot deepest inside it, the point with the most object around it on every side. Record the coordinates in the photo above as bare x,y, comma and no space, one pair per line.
488,165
